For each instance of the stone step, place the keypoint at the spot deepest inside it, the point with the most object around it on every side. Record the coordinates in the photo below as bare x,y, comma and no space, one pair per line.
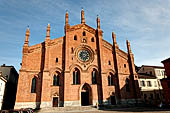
65,109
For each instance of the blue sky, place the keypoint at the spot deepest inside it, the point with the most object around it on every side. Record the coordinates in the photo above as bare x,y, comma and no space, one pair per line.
145,23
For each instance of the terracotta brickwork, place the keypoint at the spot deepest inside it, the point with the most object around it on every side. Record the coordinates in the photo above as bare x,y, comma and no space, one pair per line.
82,51
165,82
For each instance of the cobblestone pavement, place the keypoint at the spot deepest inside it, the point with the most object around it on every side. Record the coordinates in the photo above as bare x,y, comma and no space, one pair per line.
109,112
119,110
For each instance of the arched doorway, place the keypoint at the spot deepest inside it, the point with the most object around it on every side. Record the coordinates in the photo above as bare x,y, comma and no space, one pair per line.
113,100
86,95
55,101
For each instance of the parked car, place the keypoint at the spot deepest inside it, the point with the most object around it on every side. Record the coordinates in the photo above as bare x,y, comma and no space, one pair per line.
4,111
23,110
27,110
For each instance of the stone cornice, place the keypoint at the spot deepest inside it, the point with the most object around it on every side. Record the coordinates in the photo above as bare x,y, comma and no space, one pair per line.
110,47
123,54
56,41
107,45
35,47
38,47
85,26
31,71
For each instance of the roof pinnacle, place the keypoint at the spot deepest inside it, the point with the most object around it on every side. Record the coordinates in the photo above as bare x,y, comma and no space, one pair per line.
82,17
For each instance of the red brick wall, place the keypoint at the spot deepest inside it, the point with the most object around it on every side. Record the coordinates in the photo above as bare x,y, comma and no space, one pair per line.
40,61
167,68
166,90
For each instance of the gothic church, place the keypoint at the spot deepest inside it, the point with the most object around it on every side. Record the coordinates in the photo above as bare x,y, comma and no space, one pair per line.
77,69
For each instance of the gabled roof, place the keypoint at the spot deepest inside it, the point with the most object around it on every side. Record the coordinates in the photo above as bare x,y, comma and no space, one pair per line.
153,66
166,60
6,70
137,68
146,76
78,26
2,77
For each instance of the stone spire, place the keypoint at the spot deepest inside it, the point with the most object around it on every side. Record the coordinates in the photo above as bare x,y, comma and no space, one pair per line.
131,59
82,17
48,33
67,26
98,22
128,47
116,62
114,39
27,37
66,18
133,75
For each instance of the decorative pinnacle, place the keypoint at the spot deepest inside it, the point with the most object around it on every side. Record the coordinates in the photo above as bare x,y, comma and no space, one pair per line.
128,46
48,32
114,40
98,22
48,27
66,17
28,31
27,36
128,43
82,17
114,37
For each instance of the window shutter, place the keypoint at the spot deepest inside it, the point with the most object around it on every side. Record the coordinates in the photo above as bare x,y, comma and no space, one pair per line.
109,80
73,77
33,86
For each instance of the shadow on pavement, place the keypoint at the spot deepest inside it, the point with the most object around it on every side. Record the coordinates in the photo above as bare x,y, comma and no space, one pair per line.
136,109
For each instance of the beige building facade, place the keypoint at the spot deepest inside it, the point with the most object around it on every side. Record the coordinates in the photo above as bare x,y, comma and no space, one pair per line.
150,85
151,92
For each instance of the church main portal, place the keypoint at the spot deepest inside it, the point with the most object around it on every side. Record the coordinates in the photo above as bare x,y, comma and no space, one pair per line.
86,95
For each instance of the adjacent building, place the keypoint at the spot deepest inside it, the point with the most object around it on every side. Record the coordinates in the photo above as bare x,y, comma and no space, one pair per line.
149,82
166,81
151,92
9,79
2,88
77,69
157,71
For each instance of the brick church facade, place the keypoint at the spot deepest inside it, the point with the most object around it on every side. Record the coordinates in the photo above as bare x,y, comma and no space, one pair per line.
78,69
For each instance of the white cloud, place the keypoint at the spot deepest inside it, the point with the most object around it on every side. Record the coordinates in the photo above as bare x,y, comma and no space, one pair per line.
145,23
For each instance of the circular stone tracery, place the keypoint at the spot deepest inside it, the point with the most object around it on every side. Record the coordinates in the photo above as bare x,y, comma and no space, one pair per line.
84,55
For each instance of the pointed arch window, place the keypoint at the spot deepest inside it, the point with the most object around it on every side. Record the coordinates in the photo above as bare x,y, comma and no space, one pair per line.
33,85
92,39
56,80
84,33
109,62
94,76
127,85
76,76
72,50
75,37
56,60
110,80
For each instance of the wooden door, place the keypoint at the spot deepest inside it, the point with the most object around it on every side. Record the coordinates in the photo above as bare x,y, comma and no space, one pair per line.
55,102
113,100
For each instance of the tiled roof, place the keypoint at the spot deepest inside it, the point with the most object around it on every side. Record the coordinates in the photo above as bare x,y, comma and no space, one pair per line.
166,60
146,76
153,66
6,71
